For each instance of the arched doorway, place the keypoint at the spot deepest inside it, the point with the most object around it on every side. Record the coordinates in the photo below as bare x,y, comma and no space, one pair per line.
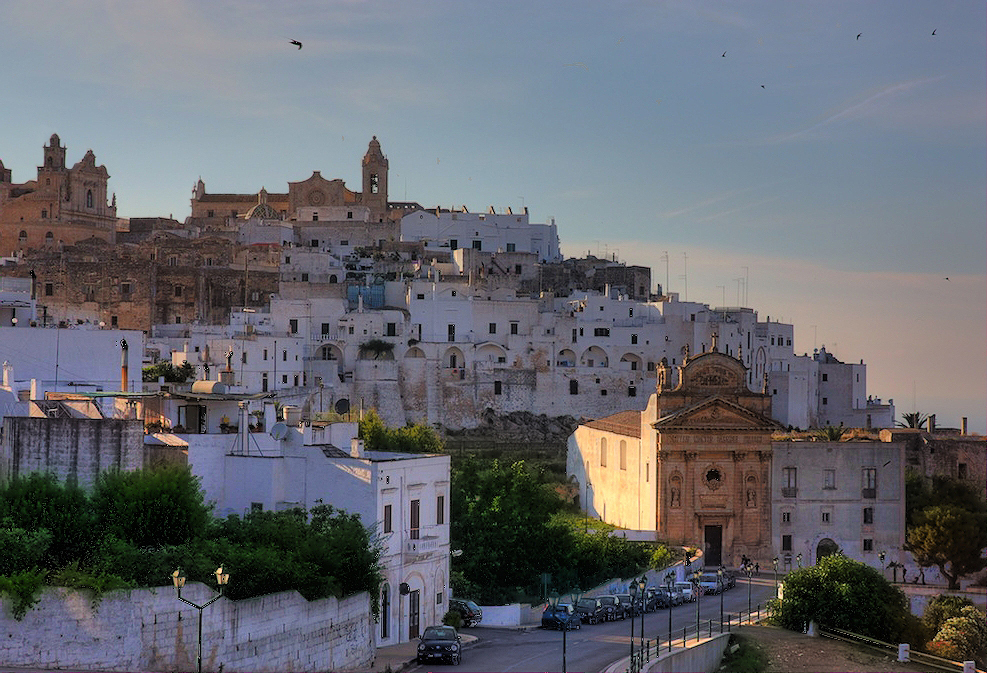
826,547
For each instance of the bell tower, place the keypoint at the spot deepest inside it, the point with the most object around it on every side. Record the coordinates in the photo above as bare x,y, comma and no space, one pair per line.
375,180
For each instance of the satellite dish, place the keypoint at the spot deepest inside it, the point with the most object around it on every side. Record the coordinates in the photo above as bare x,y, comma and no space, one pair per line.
342,406
279,431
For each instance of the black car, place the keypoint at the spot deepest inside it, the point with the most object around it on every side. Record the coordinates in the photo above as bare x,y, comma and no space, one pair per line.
440,643
614,610
468,610
652,599
631,607
561,617
591,610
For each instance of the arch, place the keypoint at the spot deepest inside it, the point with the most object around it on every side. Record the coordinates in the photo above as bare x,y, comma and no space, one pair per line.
491,353
826,547
566,358
630,361
49,237
414,352
594,356
750,489
89,198
453,358
675,491
333,279
330,352
623,454
22,236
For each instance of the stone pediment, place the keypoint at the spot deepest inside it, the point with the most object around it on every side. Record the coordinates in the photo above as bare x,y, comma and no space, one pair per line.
714,373
716,414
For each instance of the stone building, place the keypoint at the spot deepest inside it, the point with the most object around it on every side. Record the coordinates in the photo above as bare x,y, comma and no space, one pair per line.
694,467
62,206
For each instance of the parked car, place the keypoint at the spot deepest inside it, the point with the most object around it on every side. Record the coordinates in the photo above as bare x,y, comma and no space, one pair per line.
652,600
591,610
710,583
468,610
613,607
630,608
730,579
560,617
440,643
688,595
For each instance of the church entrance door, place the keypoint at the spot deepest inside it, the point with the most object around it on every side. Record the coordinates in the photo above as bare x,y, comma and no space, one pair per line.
713,537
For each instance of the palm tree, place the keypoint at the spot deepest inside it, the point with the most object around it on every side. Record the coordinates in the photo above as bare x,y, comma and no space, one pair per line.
829,433
913,419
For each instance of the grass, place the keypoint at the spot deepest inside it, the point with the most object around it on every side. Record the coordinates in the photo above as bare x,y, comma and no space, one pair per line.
743,655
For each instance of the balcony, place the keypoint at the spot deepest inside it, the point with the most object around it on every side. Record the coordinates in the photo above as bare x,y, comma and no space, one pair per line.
789,491
868,493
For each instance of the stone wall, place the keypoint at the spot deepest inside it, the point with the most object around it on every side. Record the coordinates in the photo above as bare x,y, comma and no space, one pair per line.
151,630
70,447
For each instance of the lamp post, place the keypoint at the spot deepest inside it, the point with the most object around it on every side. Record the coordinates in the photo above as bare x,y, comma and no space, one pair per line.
178,579
669,584
798,558
633,592
554,600
749,571
695,584
642,584
774,561
719,585
880,557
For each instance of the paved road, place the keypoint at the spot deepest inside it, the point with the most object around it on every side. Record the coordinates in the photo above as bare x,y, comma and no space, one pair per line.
593,648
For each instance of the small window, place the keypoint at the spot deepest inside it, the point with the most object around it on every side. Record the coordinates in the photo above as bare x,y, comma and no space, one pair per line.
603,452
825,517
113,321
344,242
573,387
514,328
517,269
178,290
868,544
825,377
415,532
304,277
293,325
387,519
178,320
623,455
265,354
829,479
349,214
440,510
492,328
961,471
315,243
511,247
477,245
786,543
49,289
601,331
825,400
284,356
633,338
498,388
786,517
868,515
632,391
453,244
392,329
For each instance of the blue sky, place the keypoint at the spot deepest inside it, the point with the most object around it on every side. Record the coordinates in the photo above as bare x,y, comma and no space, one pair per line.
846,189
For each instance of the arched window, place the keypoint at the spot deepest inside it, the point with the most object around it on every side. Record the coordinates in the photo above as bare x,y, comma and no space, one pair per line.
22,237
89,198
603,452
623,454
49,237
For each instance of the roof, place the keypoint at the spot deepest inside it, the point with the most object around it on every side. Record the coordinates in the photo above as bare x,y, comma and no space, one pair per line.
622,423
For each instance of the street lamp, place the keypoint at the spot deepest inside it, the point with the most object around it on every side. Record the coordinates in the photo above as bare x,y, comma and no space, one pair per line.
642,584
554,600
798,558
775,562
719,585
696,576
669,585
749,570
178,579
633,590
880,557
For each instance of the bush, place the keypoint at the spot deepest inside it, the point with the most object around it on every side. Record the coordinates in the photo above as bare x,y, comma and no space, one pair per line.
453,618
39,502
150,507
841,593
940,608
22,549
23,589
962,638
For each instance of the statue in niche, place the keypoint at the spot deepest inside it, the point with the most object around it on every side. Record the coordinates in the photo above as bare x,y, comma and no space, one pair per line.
751,498
675,497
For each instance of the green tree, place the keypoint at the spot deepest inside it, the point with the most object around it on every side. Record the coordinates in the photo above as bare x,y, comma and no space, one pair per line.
39,502
940,608
829,433
962,638
378,348
950,538
150,507
418,438
170,372
841,593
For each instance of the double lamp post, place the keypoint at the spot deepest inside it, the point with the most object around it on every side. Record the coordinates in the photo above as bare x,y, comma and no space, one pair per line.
178,579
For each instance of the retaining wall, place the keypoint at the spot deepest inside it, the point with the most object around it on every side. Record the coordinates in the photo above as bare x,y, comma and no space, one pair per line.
151,630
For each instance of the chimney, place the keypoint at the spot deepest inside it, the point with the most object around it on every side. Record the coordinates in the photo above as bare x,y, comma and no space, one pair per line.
356,448
8,377
963,426
932,423
124,350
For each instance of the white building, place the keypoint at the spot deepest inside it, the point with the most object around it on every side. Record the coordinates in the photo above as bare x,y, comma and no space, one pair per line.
489,232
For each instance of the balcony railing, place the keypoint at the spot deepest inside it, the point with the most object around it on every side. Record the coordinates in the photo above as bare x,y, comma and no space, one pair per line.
789,491
868,493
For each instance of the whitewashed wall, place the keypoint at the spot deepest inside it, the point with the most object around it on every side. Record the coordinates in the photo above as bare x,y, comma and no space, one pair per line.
151,630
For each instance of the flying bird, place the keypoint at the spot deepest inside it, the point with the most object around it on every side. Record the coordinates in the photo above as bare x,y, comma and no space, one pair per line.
946,278
762,86
296,43
724,54
858,35
934,31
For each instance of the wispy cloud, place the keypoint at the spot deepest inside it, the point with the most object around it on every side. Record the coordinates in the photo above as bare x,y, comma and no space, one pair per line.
869,107
746,206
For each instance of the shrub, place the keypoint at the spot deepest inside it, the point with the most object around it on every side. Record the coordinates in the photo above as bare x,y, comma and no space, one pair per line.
23,588
962,638
940,608
453,618
39,502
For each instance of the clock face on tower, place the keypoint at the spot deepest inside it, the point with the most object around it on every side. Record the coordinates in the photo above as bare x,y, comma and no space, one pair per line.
316,198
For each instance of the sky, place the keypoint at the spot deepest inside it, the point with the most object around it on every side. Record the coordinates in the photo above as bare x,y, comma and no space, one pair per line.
824,163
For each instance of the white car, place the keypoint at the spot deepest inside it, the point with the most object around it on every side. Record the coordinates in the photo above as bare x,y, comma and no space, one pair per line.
685,588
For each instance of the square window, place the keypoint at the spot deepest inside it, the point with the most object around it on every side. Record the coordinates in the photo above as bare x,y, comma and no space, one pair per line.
293,325
786,517
868,515
498,388
387,519
492,328
178,290
825,517
49,289
786,543
514,328
633,338
868,544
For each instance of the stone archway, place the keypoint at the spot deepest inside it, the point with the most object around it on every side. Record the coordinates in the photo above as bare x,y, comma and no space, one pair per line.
826,547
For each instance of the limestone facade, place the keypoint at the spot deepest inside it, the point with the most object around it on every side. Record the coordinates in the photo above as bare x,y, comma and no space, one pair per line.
62,205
